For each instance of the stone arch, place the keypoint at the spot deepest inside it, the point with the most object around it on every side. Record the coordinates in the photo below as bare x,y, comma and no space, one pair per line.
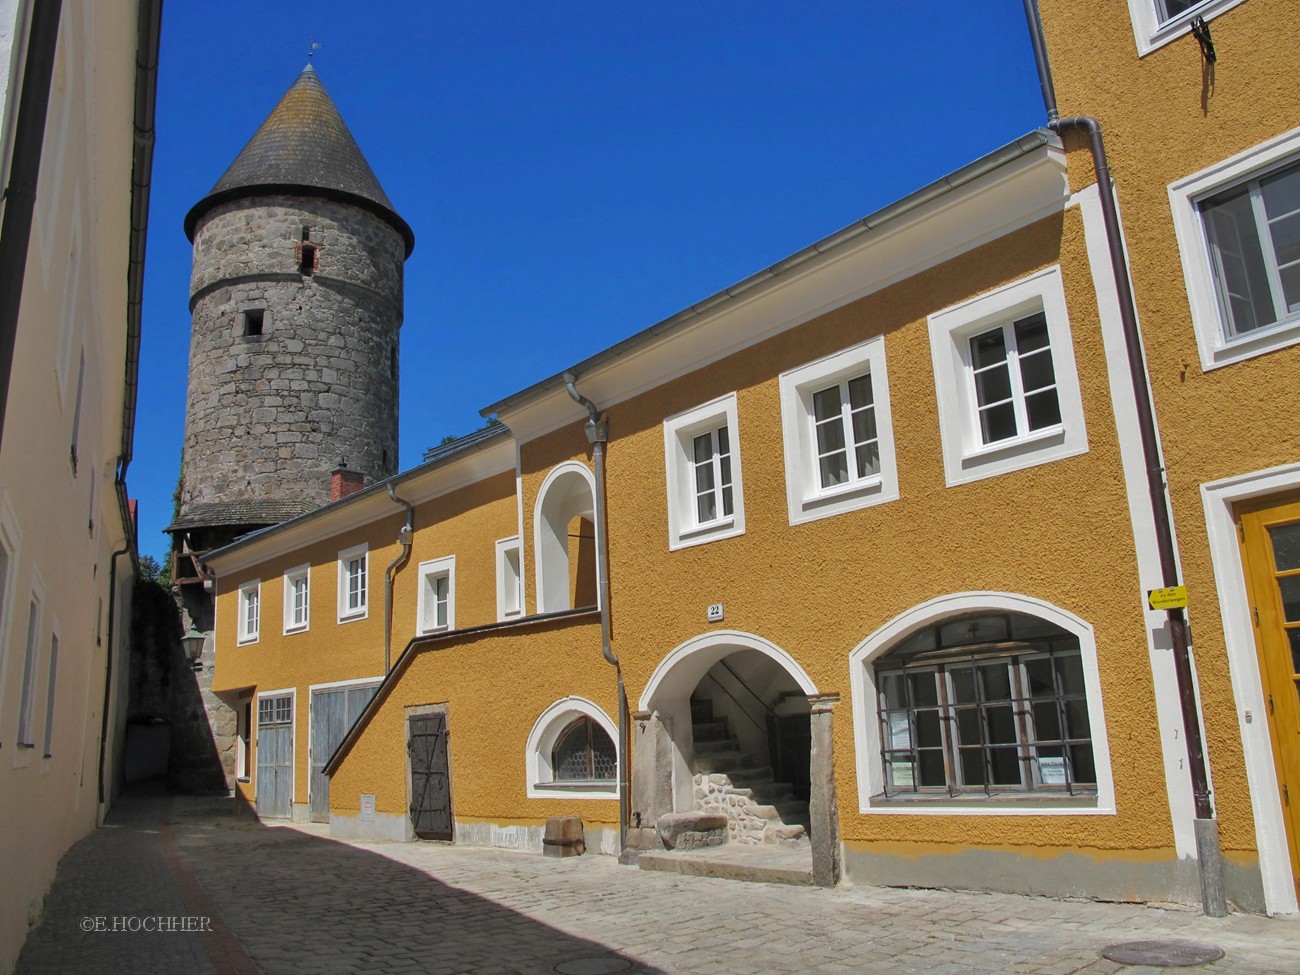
567,493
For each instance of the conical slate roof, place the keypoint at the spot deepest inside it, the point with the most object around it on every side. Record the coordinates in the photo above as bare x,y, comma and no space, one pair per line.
304,146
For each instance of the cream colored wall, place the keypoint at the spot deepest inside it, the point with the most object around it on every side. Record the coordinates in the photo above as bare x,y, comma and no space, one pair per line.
1162,124
74,296
465,524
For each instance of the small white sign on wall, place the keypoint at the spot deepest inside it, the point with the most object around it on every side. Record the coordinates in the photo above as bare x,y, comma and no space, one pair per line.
715,612
367,808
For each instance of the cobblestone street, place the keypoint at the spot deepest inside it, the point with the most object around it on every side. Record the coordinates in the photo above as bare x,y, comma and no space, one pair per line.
290,900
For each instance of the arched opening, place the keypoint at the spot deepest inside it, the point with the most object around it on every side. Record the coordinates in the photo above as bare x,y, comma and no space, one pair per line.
981,695
571,754
735,713
565,539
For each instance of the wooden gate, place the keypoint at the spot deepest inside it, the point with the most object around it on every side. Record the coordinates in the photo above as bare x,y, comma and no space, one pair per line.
274,756
426,743
333,711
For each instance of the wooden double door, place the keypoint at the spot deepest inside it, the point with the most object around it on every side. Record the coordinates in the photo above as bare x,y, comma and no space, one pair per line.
1270,539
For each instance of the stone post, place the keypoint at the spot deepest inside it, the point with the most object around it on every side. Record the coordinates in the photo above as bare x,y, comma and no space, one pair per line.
822,807
652,778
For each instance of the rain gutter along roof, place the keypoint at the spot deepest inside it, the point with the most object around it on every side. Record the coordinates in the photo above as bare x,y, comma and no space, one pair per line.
1026,144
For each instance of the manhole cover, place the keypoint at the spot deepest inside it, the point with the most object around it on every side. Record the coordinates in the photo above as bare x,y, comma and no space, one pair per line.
594,965
1162,954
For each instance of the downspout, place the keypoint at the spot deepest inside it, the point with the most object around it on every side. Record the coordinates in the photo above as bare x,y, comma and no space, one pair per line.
403,536
108,666
1208,855
25,167
597,431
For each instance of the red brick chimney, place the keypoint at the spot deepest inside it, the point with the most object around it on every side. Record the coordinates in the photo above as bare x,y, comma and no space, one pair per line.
344,482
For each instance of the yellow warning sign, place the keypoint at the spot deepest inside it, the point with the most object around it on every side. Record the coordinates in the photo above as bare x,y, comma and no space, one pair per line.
1171,597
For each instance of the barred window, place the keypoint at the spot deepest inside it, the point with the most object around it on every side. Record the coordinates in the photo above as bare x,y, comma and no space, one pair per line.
584,752
985,704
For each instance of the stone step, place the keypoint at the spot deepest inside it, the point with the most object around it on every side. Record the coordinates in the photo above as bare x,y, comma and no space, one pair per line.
773,791
753,776
710,730
719,762
793,811
784,833
715,745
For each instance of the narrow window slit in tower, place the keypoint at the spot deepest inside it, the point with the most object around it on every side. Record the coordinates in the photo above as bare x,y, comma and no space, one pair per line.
254,318
308,264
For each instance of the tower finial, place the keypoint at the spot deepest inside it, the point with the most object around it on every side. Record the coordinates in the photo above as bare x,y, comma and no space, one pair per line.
312,48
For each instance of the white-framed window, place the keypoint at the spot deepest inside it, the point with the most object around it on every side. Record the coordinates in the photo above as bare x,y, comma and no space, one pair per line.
571,752
27,700
353,582
981,704
702,457
436,603
1005,379
297,599
1157,22
837,432
1238,230
510,578
250,611
48,750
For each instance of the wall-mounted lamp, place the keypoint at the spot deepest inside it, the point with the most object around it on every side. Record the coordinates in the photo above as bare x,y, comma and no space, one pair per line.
193,644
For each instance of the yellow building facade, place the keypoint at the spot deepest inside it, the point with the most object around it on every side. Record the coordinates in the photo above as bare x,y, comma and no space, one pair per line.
865,539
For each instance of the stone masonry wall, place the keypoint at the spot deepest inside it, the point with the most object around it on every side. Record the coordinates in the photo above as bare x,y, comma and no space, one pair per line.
270,415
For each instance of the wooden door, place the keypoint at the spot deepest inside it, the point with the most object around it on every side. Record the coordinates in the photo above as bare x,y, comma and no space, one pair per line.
333,711
274,756
1271,546
426,743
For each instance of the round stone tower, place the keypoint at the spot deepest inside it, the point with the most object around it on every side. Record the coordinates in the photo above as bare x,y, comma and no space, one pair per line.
296,304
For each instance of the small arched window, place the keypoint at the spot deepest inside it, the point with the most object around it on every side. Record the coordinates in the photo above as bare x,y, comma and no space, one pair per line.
583,752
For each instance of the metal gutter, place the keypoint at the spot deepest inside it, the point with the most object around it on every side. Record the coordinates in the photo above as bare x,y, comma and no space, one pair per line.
1026,144
413,649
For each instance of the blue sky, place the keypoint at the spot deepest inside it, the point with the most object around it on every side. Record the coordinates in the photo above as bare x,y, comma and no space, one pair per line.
573,172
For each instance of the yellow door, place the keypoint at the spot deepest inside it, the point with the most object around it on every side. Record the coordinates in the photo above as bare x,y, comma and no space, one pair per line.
1271,545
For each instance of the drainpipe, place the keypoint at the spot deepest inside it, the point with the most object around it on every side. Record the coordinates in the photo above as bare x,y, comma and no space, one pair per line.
403,536
108,665
25,166
597,431
1208,855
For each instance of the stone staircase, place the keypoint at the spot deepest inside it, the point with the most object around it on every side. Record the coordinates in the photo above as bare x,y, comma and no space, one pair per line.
734,784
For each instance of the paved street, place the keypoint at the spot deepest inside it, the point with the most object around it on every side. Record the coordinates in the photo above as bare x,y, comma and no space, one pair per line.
231,896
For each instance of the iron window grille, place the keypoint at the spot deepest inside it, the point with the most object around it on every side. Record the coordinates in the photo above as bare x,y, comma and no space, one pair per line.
584,753
987,704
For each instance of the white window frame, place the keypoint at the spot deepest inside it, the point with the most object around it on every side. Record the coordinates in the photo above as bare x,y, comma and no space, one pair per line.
510,579
35,622
249,604
443,568
300,573
965,457
346,613
1151,33
1185,196
680,431
806,499
866,709
541,742
9,548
